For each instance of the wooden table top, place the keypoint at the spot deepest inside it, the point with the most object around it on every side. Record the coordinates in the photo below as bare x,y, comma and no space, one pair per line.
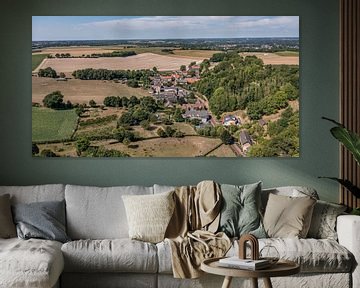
281,268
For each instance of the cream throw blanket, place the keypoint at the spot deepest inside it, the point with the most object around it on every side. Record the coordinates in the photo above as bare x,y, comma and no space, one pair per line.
191,231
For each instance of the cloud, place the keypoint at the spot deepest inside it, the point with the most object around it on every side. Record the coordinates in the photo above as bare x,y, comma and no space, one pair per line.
155,27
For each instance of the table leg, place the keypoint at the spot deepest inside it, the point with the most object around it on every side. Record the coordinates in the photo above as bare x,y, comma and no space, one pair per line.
254,282
227,282
267,283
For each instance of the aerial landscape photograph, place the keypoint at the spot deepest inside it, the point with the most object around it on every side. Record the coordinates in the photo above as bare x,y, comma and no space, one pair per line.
165,86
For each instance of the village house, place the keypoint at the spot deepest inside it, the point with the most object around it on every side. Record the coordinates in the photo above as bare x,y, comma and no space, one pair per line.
231,120
198,105
245,140
202,115
262,122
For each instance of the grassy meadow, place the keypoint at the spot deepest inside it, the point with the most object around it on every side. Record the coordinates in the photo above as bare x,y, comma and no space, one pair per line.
51,125
36,59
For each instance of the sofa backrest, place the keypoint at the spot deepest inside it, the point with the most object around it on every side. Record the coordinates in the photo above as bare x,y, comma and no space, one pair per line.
98,212
36,193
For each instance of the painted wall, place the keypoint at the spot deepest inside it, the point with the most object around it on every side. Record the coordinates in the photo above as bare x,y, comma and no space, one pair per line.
319,97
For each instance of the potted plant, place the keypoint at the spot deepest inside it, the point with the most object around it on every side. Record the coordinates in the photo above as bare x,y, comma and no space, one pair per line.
351,141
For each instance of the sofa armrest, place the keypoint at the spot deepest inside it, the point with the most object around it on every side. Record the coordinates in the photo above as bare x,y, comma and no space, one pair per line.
348,230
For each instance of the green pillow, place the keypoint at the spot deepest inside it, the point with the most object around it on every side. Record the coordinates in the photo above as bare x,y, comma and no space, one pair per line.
240,213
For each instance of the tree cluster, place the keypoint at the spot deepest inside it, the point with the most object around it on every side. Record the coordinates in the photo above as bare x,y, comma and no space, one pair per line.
114,54
139,110
47,72
55,100
238,82
105,74
283,137
169,132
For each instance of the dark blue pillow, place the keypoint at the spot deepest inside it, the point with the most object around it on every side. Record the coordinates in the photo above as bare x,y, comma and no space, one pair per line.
43,220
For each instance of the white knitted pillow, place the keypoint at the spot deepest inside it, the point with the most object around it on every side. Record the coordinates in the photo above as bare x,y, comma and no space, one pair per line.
149,215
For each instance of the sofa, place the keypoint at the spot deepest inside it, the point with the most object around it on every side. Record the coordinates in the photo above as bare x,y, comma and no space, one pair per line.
100,253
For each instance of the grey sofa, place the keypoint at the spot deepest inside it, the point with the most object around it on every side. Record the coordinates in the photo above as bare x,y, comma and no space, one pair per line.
101,254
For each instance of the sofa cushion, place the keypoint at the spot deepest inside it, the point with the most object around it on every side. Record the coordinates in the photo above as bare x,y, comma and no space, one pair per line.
30,263
240,210
98,213
43,220
313,255
323,222
117,255
149,215
36,193
287,216
7,226
290,191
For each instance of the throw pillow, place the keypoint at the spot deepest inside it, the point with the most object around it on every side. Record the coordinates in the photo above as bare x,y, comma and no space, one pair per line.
43,220
240,213
149,215
7,227
288,217
323,222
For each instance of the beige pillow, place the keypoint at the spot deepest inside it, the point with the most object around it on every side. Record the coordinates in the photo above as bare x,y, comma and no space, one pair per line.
288,217
7,226
149,215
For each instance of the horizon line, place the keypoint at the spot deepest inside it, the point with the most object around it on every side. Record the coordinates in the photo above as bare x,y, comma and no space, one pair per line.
149,39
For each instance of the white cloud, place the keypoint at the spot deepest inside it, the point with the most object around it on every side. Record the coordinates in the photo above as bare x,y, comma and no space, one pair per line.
148,27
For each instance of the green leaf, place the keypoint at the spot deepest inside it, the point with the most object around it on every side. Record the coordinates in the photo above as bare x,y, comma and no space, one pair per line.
348,138
347,184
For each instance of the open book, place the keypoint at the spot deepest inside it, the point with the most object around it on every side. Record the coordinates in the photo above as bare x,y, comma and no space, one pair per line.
236,262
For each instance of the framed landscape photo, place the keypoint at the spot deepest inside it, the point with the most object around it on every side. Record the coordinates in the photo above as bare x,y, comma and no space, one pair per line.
165,86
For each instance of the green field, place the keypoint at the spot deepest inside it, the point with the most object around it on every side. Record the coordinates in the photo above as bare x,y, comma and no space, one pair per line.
288,53
37,59
50,125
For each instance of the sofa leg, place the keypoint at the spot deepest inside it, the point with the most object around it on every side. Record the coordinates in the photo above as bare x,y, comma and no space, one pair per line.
267,282
227,282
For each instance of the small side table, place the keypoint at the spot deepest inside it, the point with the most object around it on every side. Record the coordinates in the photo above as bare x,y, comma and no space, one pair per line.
281,268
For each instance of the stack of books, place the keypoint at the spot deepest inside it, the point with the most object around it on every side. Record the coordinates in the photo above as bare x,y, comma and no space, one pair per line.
248,264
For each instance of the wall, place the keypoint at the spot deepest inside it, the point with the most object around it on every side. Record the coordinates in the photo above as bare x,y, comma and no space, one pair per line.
319,97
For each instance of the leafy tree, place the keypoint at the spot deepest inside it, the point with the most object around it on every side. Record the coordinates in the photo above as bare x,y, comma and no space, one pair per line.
145,124
79,110
82,144
169,131
133,101
62,75
178,115
121,134
35,149
226,137
149,103
47,153
47,72
218,57
126,119
133,83
178,134
183,68
54,100
160,131
92,103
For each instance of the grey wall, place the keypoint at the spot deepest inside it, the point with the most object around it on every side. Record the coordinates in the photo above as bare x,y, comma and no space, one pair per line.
319,97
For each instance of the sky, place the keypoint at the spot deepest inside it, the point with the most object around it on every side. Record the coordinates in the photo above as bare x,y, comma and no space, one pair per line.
50,28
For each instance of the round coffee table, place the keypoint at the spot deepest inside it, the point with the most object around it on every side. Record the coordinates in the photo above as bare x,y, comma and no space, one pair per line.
281,268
